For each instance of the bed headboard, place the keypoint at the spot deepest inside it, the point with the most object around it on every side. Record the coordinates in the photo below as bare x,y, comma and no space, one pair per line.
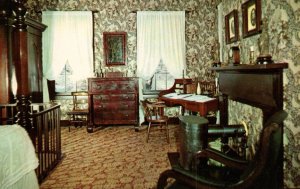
260,86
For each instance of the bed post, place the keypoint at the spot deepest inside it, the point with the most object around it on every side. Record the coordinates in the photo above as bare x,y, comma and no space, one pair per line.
5,12
20,62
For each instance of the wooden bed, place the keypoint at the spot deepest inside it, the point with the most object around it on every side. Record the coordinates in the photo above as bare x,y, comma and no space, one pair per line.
20,52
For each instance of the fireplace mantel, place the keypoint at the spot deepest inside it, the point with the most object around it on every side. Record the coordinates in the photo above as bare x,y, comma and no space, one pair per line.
260,86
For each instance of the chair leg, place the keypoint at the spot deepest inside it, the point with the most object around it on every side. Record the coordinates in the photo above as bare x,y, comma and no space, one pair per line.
149,126
70,122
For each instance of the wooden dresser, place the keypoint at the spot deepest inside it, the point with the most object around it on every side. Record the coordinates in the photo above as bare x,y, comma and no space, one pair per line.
113,101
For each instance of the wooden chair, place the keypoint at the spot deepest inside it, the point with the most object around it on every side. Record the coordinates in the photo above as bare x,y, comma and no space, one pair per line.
261,172
208,87
79,113
154,116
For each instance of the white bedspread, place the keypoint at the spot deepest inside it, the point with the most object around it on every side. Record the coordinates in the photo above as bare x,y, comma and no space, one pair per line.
17,159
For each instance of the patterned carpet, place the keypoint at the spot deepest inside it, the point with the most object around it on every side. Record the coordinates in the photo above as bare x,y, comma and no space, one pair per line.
112,158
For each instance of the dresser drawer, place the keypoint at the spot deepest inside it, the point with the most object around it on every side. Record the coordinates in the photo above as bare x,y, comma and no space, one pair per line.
113,97
113,86
100,116
115,105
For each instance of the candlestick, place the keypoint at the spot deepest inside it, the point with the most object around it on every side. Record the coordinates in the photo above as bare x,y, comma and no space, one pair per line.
251,48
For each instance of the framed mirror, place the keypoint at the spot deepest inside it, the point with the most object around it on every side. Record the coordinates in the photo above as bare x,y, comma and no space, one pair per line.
114,48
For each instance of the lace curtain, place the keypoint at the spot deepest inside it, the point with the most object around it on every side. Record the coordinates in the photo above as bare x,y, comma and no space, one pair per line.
68,38
160,36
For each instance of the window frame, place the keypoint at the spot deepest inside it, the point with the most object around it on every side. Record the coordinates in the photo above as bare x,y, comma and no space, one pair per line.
155,91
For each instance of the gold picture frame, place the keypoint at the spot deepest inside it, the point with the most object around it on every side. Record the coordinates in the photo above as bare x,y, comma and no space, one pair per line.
231,27
251,11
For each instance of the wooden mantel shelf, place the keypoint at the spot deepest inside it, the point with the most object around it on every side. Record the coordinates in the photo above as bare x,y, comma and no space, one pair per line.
256,67
259,85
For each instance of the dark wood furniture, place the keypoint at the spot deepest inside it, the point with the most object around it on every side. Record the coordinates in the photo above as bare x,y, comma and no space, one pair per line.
35,65
154,115
234,173
208,87
183,84
260,86
202,107
113,101
179,84
33,58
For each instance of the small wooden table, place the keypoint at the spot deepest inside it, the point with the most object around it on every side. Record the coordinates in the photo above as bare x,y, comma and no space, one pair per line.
202,107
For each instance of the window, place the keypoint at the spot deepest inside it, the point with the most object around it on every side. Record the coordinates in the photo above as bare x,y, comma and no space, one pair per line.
68,42
66,83
161,80
160,48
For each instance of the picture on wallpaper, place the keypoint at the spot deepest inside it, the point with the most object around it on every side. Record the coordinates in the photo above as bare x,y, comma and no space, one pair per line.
231,27
251,11
114,48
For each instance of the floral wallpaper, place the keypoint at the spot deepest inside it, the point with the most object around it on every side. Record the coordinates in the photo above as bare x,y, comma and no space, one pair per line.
118,15
282,17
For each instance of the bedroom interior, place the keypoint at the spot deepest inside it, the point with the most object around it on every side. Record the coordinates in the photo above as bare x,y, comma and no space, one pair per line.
253,62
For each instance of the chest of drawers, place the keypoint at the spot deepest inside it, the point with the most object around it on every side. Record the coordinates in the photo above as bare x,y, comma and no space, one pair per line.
113,101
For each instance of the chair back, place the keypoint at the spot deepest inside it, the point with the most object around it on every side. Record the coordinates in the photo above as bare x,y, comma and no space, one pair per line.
154,112
264,169
80,101
208,87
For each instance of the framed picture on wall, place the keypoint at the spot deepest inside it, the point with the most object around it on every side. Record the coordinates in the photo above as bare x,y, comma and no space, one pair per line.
231,27
251,11
114,48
